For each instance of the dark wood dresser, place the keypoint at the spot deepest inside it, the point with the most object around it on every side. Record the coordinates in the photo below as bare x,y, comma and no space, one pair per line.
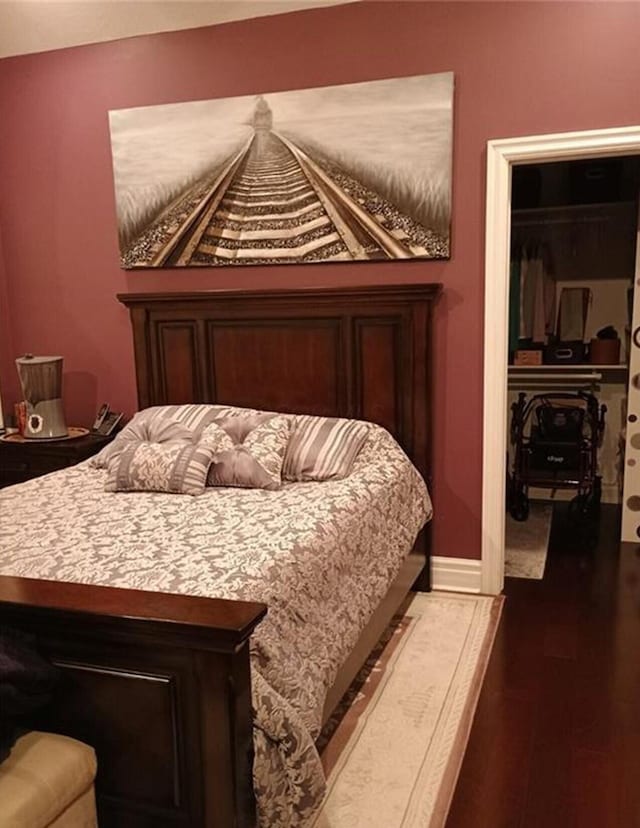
22,459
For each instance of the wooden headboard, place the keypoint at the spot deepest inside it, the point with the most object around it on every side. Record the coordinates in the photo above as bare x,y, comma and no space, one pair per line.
350,352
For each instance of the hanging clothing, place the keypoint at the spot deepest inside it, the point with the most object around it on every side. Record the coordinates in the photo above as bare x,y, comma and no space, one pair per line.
527,298
537,298
538,321
514,305
549,291
549,302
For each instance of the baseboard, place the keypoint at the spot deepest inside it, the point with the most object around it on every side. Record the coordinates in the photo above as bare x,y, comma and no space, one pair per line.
456,574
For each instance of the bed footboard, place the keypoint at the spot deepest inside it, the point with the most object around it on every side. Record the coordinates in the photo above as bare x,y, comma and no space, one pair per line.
160,686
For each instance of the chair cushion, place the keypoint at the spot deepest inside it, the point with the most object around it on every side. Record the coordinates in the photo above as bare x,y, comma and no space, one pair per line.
80,814
42,776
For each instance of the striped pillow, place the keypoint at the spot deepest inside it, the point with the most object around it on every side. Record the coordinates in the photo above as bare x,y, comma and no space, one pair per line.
173,467
195,416
157,425
323,448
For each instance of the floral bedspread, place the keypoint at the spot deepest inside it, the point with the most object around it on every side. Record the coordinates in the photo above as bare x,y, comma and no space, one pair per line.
320,555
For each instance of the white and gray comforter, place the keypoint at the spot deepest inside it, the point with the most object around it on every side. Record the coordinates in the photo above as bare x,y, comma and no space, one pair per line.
320,555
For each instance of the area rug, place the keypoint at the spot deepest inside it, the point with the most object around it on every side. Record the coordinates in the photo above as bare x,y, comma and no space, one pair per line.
393,759
526,542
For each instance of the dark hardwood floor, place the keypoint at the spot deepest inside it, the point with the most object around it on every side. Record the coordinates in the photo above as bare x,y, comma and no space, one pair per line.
556,737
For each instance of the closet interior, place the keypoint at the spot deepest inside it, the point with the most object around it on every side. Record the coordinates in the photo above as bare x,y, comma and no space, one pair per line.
574,236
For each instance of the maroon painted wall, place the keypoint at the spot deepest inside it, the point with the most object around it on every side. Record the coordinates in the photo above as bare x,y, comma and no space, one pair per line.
9,385
520,68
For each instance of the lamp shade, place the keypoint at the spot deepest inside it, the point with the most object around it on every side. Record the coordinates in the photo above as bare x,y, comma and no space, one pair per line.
41,381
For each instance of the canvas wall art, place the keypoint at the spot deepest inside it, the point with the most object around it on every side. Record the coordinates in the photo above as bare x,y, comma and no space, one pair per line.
358,171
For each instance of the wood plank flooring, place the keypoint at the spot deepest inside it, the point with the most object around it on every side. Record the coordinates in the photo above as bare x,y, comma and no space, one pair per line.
556,738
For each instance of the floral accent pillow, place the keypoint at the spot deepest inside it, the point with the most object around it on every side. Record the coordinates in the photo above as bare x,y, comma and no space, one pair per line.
174,467
247,451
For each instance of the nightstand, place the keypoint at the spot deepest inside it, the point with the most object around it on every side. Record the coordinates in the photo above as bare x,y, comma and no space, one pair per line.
22,459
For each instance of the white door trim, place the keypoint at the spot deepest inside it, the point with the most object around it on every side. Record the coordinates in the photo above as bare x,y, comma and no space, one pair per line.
501,155
631,478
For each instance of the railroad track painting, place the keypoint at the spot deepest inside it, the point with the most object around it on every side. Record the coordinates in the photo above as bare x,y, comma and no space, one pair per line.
279,194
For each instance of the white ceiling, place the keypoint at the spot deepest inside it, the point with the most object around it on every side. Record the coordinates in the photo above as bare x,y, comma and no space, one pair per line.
40,25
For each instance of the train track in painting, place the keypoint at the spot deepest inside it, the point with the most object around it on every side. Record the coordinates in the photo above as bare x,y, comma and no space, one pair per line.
272,202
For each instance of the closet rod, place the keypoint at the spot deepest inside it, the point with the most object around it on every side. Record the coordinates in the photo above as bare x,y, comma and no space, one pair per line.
549,390
538,222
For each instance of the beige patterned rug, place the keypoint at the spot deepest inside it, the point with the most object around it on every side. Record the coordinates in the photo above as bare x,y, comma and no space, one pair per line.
393,751
527,541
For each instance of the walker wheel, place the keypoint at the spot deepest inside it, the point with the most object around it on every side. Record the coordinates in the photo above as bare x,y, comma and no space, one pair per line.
586,505
519,508
596,494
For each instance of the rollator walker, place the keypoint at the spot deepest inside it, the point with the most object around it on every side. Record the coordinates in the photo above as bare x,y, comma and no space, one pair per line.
556,439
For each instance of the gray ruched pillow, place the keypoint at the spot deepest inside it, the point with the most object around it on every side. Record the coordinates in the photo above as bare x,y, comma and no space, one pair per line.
247,451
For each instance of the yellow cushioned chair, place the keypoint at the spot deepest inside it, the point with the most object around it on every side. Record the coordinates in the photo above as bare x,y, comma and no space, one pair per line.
47,782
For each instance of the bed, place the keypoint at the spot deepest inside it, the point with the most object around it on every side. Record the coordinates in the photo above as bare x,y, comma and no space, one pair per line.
159,682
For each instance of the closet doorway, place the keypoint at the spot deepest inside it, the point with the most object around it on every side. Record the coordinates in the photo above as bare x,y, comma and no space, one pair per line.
503,157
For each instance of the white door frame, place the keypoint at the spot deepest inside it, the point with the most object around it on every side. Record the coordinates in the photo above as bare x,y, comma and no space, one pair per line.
631,479
501,156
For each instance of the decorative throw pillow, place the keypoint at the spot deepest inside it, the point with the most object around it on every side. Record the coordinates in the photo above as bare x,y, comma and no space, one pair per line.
247,451
323,448
151,425
176,467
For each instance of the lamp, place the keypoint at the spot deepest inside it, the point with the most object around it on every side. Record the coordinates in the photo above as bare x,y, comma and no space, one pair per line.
41,380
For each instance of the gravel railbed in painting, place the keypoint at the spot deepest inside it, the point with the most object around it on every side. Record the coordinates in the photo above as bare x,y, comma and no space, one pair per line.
239,204
249,191
164,227
271,224
335,249
267,209
435,244
258,244
255,202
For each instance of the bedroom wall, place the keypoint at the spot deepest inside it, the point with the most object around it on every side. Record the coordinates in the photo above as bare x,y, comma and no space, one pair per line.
520,68
9,383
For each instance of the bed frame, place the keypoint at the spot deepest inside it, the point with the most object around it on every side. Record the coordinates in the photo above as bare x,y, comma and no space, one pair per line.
160,684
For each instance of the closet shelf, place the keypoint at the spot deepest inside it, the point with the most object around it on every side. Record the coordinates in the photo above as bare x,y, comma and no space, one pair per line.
604,212
575,368
575,375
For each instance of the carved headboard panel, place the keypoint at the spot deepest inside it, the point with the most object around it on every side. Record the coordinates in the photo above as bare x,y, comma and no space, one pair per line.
350,352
